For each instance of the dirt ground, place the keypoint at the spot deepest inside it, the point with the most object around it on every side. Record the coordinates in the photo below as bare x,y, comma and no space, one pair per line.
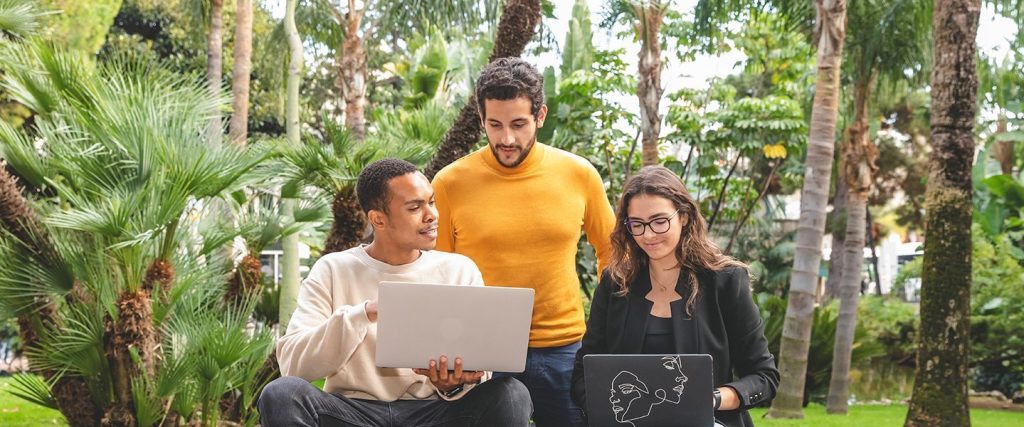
980,402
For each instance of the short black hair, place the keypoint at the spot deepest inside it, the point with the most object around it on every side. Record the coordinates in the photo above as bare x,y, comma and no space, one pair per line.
510,78
372,185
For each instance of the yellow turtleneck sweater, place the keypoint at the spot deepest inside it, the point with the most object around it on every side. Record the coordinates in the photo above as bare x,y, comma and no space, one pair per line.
521,227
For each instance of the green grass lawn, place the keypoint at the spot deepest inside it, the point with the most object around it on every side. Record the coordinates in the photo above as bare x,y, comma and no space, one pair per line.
17,412
880,416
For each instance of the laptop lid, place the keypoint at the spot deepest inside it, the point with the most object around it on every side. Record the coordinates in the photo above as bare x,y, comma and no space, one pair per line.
649,390
488,327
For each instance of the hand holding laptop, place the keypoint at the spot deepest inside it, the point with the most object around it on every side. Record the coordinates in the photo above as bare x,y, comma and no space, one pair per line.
446,380
371,310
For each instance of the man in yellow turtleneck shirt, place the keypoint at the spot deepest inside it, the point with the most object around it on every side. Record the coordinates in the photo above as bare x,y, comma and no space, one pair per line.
516,208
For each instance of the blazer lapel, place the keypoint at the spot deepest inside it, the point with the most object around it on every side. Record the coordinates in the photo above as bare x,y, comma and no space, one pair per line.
639,308
684,327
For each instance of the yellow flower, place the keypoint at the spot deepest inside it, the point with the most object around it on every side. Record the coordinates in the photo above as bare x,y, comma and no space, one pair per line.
775,151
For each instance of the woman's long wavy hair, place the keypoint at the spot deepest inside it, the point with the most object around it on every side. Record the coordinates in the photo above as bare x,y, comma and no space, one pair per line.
695,252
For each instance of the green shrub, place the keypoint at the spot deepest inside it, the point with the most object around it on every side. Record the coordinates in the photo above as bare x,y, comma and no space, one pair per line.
823,332
997,314
893,324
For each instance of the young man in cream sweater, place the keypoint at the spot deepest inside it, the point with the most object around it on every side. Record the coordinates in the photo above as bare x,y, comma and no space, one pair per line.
333,332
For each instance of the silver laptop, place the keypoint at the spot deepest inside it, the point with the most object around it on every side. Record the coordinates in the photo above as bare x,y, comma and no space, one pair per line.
649,390
488,327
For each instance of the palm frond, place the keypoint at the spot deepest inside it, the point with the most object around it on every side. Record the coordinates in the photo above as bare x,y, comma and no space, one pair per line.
76,347
33,388
20,18
21,154
149,407
27,274
24,82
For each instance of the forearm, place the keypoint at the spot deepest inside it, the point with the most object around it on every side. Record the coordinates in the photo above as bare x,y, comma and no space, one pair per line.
316,351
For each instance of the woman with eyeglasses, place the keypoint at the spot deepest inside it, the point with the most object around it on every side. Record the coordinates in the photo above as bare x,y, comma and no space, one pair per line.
669,290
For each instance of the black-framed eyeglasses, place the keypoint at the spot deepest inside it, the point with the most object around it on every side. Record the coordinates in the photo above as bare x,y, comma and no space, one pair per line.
658,225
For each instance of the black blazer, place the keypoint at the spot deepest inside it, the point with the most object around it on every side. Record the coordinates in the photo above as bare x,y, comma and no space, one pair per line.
725,324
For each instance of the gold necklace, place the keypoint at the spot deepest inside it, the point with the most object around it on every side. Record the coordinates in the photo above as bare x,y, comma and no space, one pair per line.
656,281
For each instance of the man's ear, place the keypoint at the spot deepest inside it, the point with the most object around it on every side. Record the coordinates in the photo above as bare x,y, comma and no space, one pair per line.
480,113
542,113
377,218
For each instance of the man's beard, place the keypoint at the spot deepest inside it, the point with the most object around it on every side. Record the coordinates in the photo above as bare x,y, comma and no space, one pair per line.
522,156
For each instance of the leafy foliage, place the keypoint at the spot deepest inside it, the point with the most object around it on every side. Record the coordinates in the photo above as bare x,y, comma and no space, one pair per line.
819,357
121,165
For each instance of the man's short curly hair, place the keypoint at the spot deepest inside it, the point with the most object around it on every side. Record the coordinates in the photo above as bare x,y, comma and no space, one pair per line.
372,185
510,78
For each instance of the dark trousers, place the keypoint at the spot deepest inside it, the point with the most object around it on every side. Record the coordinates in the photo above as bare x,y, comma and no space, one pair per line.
292,401
548,375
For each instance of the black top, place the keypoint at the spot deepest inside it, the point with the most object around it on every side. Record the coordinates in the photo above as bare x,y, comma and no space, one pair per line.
725,324
658,339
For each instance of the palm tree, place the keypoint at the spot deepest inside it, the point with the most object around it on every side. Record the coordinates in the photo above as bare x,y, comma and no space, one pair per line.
648,16
837,228
519,18
332,165
125,159
940,380
238,128
261,223
829,35
885,39
352,73
19,20
831,32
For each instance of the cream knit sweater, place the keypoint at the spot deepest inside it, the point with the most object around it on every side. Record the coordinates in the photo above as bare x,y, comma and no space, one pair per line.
330,336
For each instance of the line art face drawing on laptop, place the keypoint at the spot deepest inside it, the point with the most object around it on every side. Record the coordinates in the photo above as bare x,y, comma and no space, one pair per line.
631,398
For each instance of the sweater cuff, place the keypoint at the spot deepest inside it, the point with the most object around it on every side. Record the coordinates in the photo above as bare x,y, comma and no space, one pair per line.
465,388
747,398
355,315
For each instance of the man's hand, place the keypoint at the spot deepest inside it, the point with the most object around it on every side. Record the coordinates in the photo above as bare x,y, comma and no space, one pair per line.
446,380
371,310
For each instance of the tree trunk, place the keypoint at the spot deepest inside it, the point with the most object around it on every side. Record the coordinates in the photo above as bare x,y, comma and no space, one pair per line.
796,330
859,155
132,328
290,243
869,238
238,128
245,281
940,380
519,19
1002,151
649,16
18,219
721,194
352,73
15,215
215,62
835,261
349,222
849,294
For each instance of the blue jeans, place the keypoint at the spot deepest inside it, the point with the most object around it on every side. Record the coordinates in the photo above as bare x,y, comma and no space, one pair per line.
548,376
293,402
